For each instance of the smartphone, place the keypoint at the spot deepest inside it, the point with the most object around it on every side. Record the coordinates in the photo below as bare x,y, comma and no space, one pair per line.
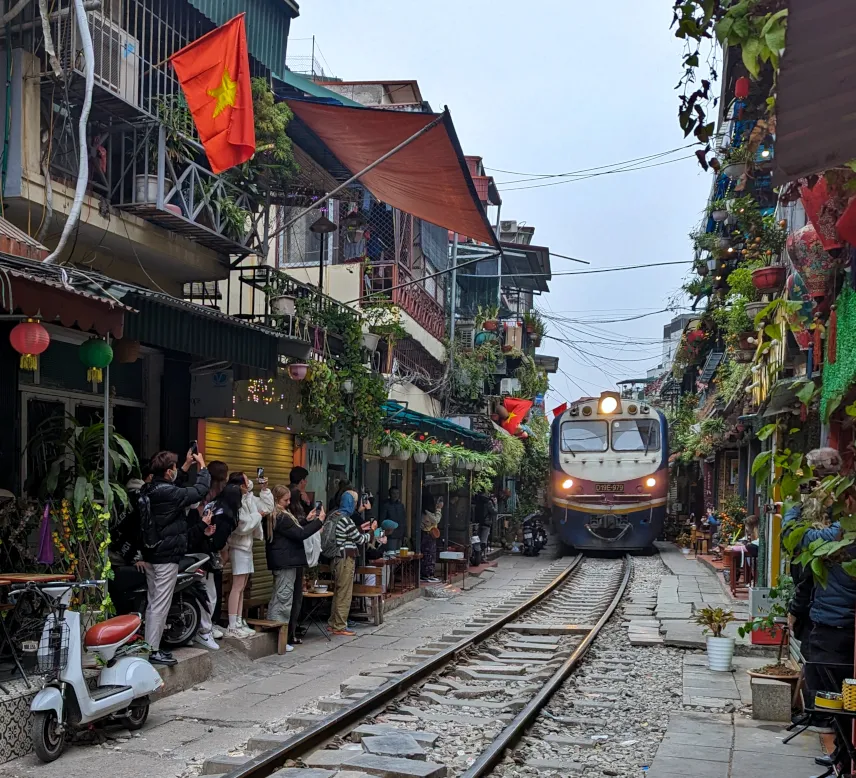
318,505
260,472
194,447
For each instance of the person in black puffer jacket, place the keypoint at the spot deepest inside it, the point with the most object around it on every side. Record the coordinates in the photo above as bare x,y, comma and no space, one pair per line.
168,504
286,558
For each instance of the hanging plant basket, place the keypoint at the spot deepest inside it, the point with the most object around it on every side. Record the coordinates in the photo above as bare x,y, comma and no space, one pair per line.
385,452
744,356
702,269
370,341
402,455
420,457
126,351
348,386
768,280
734,170
719,214
435,458
297,371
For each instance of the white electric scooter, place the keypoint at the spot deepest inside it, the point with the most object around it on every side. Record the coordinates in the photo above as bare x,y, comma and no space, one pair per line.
66,701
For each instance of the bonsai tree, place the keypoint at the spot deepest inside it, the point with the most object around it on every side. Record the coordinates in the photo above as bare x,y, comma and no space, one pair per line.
714,620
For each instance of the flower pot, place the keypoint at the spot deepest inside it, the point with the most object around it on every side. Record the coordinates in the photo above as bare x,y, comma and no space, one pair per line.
734,170
725,243
420,457
702,269
753,309
348,386
768,280
385,452
685,551
719,215
402,456
814,264
744,355
126,351
712,263
536,341
370,341
435,459
282,305
767,637
745,339
530,328
297,371
490,326
720,651
145,188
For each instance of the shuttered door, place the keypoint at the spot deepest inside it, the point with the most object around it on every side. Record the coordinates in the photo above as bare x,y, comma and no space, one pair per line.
246,449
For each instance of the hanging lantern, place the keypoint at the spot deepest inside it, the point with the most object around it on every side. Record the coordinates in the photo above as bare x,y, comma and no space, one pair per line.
126,351
96,354
29,339
741,88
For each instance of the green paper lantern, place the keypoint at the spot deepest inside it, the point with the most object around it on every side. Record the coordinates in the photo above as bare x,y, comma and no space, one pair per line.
96,354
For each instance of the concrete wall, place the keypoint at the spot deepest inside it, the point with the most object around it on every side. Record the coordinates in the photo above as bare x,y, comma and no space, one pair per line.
415,399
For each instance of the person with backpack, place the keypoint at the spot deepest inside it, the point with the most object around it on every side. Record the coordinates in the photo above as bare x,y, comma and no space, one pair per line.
163,508
339,540
286,557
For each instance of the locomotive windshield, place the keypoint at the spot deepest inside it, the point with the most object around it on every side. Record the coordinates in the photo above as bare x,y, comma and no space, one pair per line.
636,435
584,436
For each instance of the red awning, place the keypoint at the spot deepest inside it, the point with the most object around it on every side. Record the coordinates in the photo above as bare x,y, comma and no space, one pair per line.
428,179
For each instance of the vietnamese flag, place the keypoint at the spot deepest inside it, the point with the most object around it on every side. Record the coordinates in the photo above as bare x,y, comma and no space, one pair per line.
559,409
214,72
517,410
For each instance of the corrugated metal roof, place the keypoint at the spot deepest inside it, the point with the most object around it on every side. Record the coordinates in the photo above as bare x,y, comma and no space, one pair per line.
16,242
268,23
397,415
816,92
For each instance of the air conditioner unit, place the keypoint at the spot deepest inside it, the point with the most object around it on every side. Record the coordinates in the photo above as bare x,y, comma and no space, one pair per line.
508,226
509,385
117,57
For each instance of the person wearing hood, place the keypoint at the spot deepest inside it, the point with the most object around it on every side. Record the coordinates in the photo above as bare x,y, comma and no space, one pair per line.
393,519
249,528
348,537
126,547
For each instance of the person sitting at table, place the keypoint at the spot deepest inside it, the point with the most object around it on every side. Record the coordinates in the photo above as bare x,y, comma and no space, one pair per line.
286,557
393,511
347,538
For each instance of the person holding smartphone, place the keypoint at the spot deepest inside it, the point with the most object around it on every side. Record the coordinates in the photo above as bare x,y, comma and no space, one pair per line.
286,557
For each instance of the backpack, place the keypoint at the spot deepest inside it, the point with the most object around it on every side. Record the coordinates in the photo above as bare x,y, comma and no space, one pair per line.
148,527
329,547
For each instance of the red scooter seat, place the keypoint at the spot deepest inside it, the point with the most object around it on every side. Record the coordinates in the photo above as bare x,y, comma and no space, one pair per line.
112,631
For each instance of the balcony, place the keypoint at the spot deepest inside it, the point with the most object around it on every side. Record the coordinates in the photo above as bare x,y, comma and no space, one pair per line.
382,278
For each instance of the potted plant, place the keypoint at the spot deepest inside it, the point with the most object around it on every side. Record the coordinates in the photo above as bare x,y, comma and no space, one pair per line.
718,210
683,540
736,159
487,318
388,443
420,450
770,629
769,279
720,649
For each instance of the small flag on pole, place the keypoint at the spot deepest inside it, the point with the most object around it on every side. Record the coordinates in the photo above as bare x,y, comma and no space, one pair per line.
559,410
214,73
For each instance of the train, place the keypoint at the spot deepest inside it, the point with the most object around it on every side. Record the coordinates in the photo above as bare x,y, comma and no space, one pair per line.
610,478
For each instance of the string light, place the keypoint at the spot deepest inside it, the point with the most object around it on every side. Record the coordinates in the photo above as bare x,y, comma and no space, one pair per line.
266,392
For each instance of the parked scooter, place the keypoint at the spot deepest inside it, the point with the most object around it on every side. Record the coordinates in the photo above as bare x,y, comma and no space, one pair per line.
188,600
534,535
66,702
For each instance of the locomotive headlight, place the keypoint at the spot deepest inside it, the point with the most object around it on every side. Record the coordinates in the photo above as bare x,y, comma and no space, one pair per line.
567,483
650,482
608,404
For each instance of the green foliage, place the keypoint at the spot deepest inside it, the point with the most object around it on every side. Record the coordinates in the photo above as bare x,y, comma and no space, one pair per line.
730,379
839,376
780,598
533,380
740,281
472,368
236,219
761,38
534,468
706,241
175,116
714,620
510,452
321,399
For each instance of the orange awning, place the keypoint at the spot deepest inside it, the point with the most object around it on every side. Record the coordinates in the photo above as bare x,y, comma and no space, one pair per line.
428,179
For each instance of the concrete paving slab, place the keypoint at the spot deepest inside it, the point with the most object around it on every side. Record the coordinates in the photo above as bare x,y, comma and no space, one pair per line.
389,767
400,745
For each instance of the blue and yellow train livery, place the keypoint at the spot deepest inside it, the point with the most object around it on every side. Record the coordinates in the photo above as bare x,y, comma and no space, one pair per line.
610,474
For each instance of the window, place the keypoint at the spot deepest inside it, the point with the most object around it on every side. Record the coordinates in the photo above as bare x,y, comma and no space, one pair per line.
584,436
636,435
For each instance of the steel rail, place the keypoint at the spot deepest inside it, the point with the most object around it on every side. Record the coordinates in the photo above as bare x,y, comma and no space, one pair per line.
521,722
314,737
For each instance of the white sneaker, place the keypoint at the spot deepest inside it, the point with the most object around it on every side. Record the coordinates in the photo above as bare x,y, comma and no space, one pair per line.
217,633
289,648
236,632
248,632
206,640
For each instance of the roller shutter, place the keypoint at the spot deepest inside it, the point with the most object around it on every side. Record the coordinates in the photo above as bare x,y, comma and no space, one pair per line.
246,448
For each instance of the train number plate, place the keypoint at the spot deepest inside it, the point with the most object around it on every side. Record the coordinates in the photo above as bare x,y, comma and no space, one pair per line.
609,487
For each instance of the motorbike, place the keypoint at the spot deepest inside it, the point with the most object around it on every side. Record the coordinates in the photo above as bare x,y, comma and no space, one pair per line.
188,599
534,535
66,702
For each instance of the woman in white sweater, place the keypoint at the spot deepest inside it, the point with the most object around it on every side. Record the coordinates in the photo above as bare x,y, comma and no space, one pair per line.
249,528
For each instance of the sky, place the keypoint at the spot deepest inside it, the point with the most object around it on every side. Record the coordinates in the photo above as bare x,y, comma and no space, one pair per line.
553,86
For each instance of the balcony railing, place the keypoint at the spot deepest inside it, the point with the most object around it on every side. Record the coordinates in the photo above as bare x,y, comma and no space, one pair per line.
383,280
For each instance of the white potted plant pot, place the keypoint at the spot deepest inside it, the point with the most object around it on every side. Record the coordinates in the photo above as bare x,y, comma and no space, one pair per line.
348,386
370,341
734,169
435,459
420,457
685,551
282,305
385,452
403,455
146,188
720,652
719,215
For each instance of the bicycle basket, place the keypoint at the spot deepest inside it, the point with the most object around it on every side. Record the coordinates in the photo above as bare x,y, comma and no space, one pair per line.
52,654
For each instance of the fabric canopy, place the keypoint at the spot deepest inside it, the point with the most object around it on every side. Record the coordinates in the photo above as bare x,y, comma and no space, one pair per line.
428,178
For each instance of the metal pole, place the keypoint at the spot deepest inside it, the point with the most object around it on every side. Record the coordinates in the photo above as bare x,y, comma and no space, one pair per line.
107,432
430,126
453,292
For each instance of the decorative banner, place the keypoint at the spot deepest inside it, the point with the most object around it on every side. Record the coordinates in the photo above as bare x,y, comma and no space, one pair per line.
517,409
823,210
214,72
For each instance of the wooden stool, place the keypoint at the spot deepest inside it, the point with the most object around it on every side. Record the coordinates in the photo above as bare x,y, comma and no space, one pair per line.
264,625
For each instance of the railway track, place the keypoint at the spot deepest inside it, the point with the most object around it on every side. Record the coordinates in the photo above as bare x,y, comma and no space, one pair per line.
456,706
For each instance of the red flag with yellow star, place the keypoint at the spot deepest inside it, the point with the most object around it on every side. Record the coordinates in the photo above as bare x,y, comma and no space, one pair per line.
214,72
517,410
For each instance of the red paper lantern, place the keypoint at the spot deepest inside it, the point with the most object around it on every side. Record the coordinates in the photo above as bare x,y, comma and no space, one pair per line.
29,339
741,88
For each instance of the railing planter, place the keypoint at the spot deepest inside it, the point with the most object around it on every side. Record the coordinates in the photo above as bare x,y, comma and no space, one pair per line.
768,280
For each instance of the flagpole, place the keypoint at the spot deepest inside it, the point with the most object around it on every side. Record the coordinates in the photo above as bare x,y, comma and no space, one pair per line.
430,126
